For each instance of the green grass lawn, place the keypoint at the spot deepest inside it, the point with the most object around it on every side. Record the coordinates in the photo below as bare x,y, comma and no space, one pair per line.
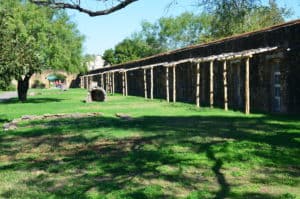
166,151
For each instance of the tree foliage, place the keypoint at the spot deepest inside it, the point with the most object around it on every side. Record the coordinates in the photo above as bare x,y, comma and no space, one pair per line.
130,49
166,34
221,18
34,39
177,32
231,17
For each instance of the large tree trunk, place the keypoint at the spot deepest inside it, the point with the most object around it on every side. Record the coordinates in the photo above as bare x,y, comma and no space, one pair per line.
23,85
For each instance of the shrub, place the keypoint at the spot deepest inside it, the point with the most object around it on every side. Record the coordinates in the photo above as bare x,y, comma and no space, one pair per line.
10,87
38,84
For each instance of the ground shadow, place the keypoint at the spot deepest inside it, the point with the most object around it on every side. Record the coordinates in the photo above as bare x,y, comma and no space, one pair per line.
31,100
179,154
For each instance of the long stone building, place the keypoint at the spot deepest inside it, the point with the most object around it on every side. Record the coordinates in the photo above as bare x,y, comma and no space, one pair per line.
256,71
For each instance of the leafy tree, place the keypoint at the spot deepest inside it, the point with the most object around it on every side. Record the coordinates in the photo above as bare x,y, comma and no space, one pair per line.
34,39
165,34
175,32
109,56
221,18
129,49
231,17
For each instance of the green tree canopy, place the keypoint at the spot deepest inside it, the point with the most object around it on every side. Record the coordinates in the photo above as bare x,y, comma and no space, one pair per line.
238,16
130,49
34,38
220,19
166,34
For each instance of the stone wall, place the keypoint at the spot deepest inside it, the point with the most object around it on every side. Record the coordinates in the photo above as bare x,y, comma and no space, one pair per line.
71,79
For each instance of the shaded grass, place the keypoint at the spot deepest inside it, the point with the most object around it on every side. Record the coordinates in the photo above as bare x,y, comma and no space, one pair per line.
167,151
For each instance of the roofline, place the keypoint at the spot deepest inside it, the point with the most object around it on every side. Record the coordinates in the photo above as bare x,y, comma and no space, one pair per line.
242,35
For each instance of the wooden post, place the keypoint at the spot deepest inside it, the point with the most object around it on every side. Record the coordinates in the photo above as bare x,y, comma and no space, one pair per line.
106,82
123,83
167,84
113,83
211,84
110,82
174,83
81,82
225,85
102,80
145,83
198,86
126,84
151,78
86,82
247,88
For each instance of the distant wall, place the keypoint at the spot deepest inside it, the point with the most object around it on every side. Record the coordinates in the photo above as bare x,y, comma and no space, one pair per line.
71,79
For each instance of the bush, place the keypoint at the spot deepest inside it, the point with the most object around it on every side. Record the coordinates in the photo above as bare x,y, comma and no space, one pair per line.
38,84
10,87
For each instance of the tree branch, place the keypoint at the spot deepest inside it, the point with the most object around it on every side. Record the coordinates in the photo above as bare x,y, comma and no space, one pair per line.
77,6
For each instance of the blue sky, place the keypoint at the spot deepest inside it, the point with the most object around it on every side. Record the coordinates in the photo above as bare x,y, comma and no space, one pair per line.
105,32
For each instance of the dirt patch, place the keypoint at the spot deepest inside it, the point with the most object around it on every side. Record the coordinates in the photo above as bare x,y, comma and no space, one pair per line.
124,116
13,124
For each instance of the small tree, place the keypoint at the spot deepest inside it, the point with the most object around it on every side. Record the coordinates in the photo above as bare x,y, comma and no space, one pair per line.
34,39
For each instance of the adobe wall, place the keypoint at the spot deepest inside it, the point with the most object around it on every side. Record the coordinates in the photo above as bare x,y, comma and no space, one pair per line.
285,61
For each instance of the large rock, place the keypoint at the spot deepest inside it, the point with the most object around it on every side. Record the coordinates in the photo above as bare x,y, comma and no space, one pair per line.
98,94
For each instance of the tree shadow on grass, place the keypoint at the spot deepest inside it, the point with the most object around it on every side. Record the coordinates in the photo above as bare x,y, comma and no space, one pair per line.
165,157
31,100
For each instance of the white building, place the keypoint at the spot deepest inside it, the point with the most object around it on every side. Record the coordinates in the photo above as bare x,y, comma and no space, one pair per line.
97,63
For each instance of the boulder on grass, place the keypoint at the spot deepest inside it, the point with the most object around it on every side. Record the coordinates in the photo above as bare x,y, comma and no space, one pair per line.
98,94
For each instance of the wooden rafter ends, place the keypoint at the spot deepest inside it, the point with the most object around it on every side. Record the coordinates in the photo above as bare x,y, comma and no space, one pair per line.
171,64
235,55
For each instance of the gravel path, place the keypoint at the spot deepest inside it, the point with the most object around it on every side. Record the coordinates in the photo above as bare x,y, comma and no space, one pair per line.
8,95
